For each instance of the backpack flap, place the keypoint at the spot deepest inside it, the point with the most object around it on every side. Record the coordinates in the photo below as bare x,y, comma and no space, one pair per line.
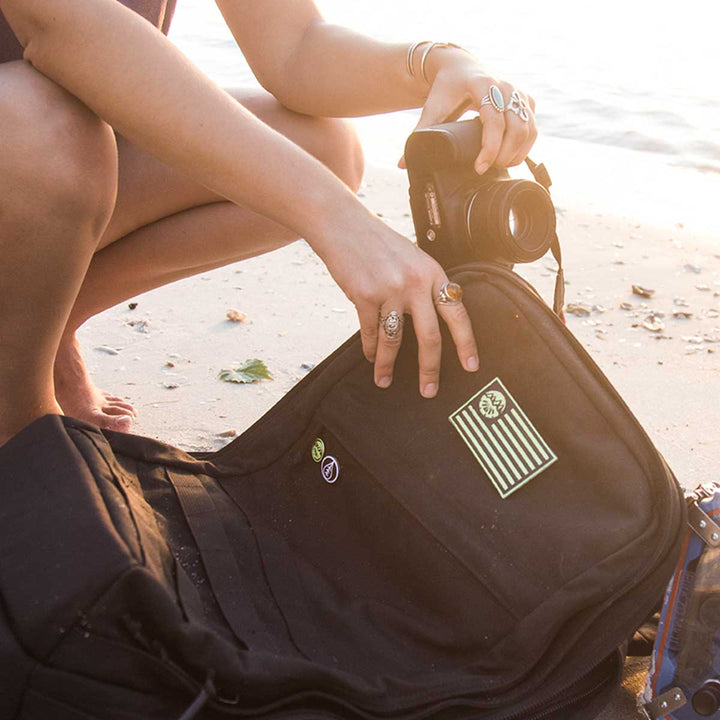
492,543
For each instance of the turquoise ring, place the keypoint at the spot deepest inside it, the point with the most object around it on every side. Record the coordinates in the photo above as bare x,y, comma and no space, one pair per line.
494,98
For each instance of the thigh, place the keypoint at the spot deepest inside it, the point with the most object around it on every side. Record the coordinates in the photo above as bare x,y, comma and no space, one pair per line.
50,145
149,190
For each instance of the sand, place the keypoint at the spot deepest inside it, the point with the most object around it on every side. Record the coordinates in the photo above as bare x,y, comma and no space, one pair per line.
624,219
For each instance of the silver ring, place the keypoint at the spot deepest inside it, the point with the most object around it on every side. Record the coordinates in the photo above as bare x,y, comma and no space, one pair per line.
494,98
450,294
518,106
391,323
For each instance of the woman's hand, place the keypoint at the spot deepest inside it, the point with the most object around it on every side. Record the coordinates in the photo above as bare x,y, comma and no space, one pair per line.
458,83
386,277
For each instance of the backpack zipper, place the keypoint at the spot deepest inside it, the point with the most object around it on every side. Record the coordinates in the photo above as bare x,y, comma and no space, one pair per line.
545,711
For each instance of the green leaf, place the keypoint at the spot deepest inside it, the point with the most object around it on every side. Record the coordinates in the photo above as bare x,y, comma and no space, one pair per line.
249,372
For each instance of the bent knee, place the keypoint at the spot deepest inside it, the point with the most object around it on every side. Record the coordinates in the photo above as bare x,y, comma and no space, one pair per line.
333,141
341,151
54,148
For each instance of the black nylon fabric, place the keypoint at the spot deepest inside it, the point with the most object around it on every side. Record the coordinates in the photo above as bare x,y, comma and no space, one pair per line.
133,573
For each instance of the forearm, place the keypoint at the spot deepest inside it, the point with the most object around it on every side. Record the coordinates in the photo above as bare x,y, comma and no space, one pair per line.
321,69
132,76
337,72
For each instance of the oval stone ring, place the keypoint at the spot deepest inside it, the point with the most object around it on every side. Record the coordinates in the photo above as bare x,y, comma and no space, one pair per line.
494,98
450,294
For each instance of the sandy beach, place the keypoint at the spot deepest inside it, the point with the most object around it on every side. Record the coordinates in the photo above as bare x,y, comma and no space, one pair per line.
624,219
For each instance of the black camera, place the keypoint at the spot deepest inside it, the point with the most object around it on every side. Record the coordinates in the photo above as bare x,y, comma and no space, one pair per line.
461,216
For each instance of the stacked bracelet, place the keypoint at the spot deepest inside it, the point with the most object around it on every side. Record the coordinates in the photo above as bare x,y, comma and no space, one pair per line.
426,52
410,57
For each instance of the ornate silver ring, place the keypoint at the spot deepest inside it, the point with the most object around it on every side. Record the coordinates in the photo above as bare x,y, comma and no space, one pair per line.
450,294
494,98
518,106
391,323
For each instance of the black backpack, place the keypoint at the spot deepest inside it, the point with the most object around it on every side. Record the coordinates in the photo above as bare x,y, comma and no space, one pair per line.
356,554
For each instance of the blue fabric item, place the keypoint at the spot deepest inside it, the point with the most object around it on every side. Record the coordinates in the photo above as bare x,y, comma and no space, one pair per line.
687,649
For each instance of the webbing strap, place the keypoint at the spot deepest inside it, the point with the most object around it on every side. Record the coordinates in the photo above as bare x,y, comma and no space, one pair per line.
217,555
559,296
542,176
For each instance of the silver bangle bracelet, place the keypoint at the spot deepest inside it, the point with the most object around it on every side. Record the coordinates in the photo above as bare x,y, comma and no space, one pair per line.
410,57
426,52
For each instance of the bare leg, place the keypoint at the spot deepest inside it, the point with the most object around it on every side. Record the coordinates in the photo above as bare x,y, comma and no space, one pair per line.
166,227
57,190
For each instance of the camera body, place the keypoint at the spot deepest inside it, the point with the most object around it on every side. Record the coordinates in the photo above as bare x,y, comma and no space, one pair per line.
460,216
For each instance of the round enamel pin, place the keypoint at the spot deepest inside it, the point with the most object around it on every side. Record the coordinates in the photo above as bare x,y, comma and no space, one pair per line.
318,450
330,469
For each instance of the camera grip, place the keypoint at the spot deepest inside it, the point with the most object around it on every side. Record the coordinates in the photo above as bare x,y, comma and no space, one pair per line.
454,143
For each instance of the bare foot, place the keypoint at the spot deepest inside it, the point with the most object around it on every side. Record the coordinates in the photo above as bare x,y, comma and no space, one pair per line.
80,398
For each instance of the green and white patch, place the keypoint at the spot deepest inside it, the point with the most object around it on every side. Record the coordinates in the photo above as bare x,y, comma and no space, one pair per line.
502,438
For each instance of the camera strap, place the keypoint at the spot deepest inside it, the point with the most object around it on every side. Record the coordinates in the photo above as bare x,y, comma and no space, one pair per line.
542,176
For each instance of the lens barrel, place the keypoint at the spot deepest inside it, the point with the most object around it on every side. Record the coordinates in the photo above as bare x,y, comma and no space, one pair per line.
511,220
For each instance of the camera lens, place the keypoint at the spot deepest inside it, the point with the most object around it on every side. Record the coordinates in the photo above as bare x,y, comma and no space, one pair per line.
511,221
527,222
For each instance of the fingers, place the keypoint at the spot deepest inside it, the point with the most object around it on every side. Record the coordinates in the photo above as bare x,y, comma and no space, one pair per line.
388,338
387,278
458,321
390,319
459,82
521,129
427,329
509,132
493,134
368,317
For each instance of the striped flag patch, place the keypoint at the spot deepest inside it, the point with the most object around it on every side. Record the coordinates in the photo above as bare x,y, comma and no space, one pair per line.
501,437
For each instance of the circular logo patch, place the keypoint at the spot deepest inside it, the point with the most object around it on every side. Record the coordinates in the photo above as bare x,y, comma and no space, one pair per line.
492,404
330,469
318,450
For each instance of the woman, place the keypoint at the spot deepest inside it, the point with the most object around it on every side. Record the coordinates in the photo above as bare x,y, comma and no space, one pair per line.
124,168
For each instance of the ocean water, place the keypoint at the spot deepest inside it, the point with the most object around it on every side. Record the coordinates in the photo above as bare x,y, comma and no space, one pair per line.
630,74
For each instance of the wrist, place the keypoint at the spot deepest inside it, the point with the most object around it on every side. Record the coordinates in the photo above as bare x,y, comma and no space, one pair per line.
339,219
425,58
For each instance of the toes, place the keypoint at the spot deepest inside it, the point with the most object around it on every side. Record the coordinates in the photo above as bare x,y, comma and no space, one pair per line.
119,408
120,423
110,397
114,405
116,410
